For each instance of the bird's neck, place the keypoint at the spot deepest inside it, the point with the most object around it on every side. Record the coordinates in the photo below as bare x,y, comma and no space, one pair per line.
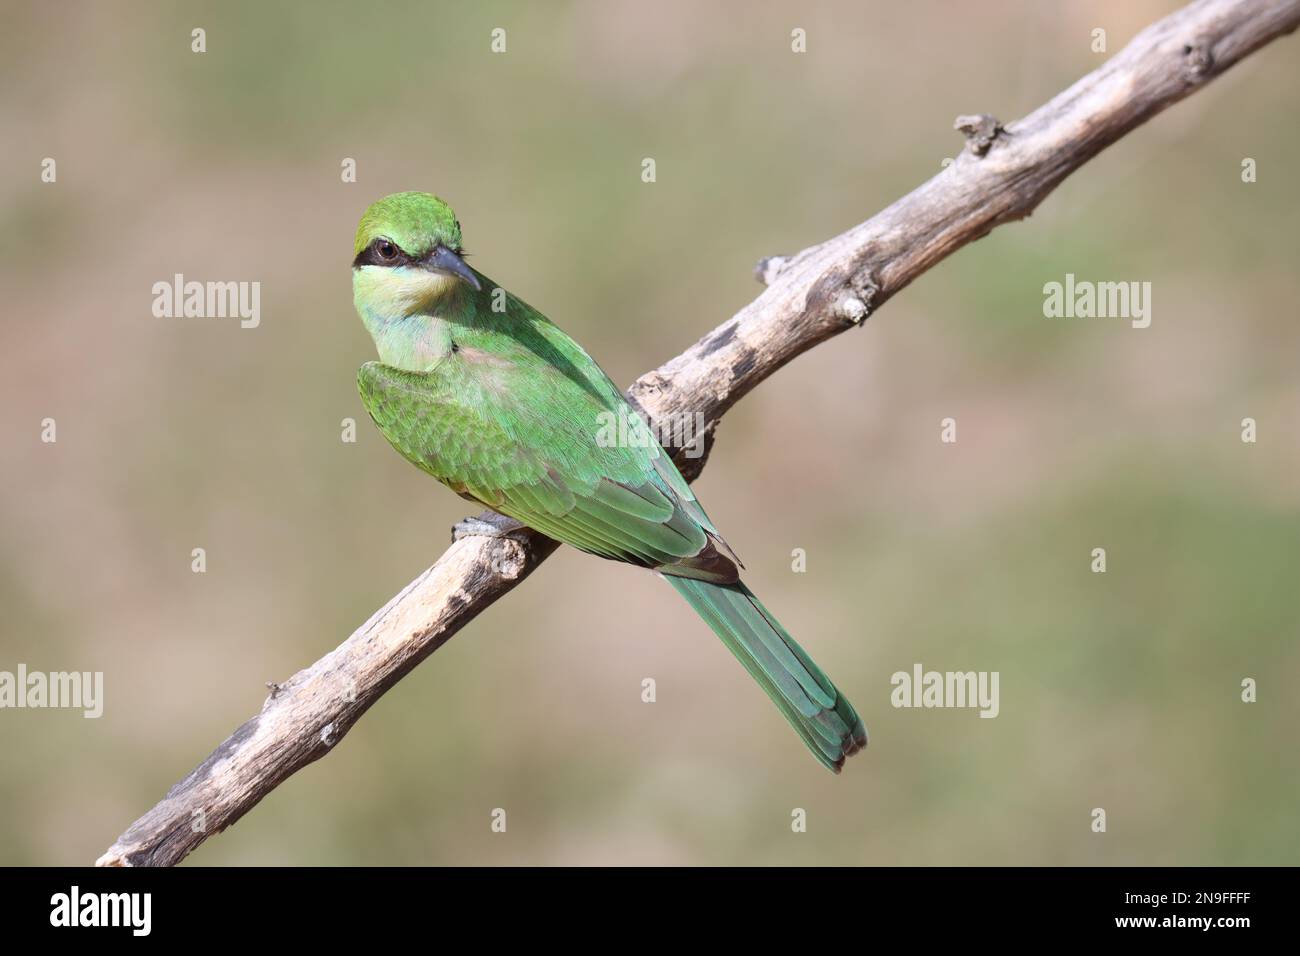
416,343
409,323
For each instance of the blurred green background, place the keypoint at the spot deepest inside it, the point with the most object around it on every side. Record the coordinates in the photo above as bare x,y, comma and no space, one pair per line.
1119,690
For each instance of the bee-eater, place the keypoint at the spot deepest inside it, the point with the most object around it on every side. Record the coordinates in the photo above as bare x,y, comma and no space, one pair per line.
487,395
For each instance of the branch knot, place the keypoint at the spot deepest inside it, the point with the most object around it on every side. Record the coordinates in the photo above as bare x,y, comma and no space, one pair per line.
1199,59
856,299
769,267
980,131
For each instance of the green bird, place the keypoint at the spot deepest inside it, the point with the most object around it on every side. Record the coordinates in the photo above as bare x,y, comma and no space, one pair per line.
486,394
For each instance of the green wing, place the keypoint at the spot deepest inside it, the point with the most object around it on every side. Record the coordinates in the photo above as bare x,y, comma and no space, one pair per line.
619,501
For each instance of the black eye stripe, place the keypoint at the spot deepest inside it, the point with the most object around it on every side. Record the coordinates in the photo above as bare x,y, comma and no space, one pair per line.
369,256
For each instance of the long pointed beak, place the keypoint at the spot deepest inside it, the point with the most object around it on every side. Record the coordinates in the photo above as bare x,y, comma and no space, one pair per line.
444,260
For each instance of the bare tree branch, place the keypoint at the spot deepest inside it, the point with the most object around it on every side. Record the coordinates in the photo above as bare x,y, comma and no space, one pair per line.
1005,172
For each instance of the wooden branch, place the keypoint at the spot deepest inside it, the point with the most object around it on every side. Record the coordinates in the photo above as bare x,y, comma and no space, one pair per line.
1004,173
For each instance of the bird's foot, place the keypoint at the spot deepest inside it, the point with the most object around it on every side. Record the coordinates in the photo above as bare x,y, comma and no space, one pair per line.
489,524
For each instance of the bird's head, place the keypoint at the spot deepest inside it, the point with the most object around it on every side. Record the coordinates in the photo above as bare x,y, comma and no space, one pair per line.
408,255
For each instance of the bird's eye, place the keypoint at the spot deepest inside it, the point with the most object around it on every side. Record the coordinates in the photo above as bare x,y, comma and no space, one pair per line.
387,250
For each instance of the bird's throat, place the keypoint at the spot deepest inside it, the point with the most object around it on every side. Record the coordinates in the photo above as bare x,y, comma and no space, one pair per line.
401,310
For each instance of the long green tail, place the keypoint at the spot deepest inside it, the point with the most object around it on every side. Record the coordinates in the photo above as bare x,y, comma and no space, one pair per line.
819,713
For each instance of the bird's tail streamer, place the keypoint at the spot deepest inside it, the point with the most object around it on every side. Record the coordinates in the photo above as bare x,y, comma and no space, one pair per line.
818,712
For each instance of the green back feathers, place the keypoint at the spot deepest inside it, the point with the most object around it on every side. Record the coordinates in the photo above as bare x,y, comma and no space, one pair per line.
415,221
